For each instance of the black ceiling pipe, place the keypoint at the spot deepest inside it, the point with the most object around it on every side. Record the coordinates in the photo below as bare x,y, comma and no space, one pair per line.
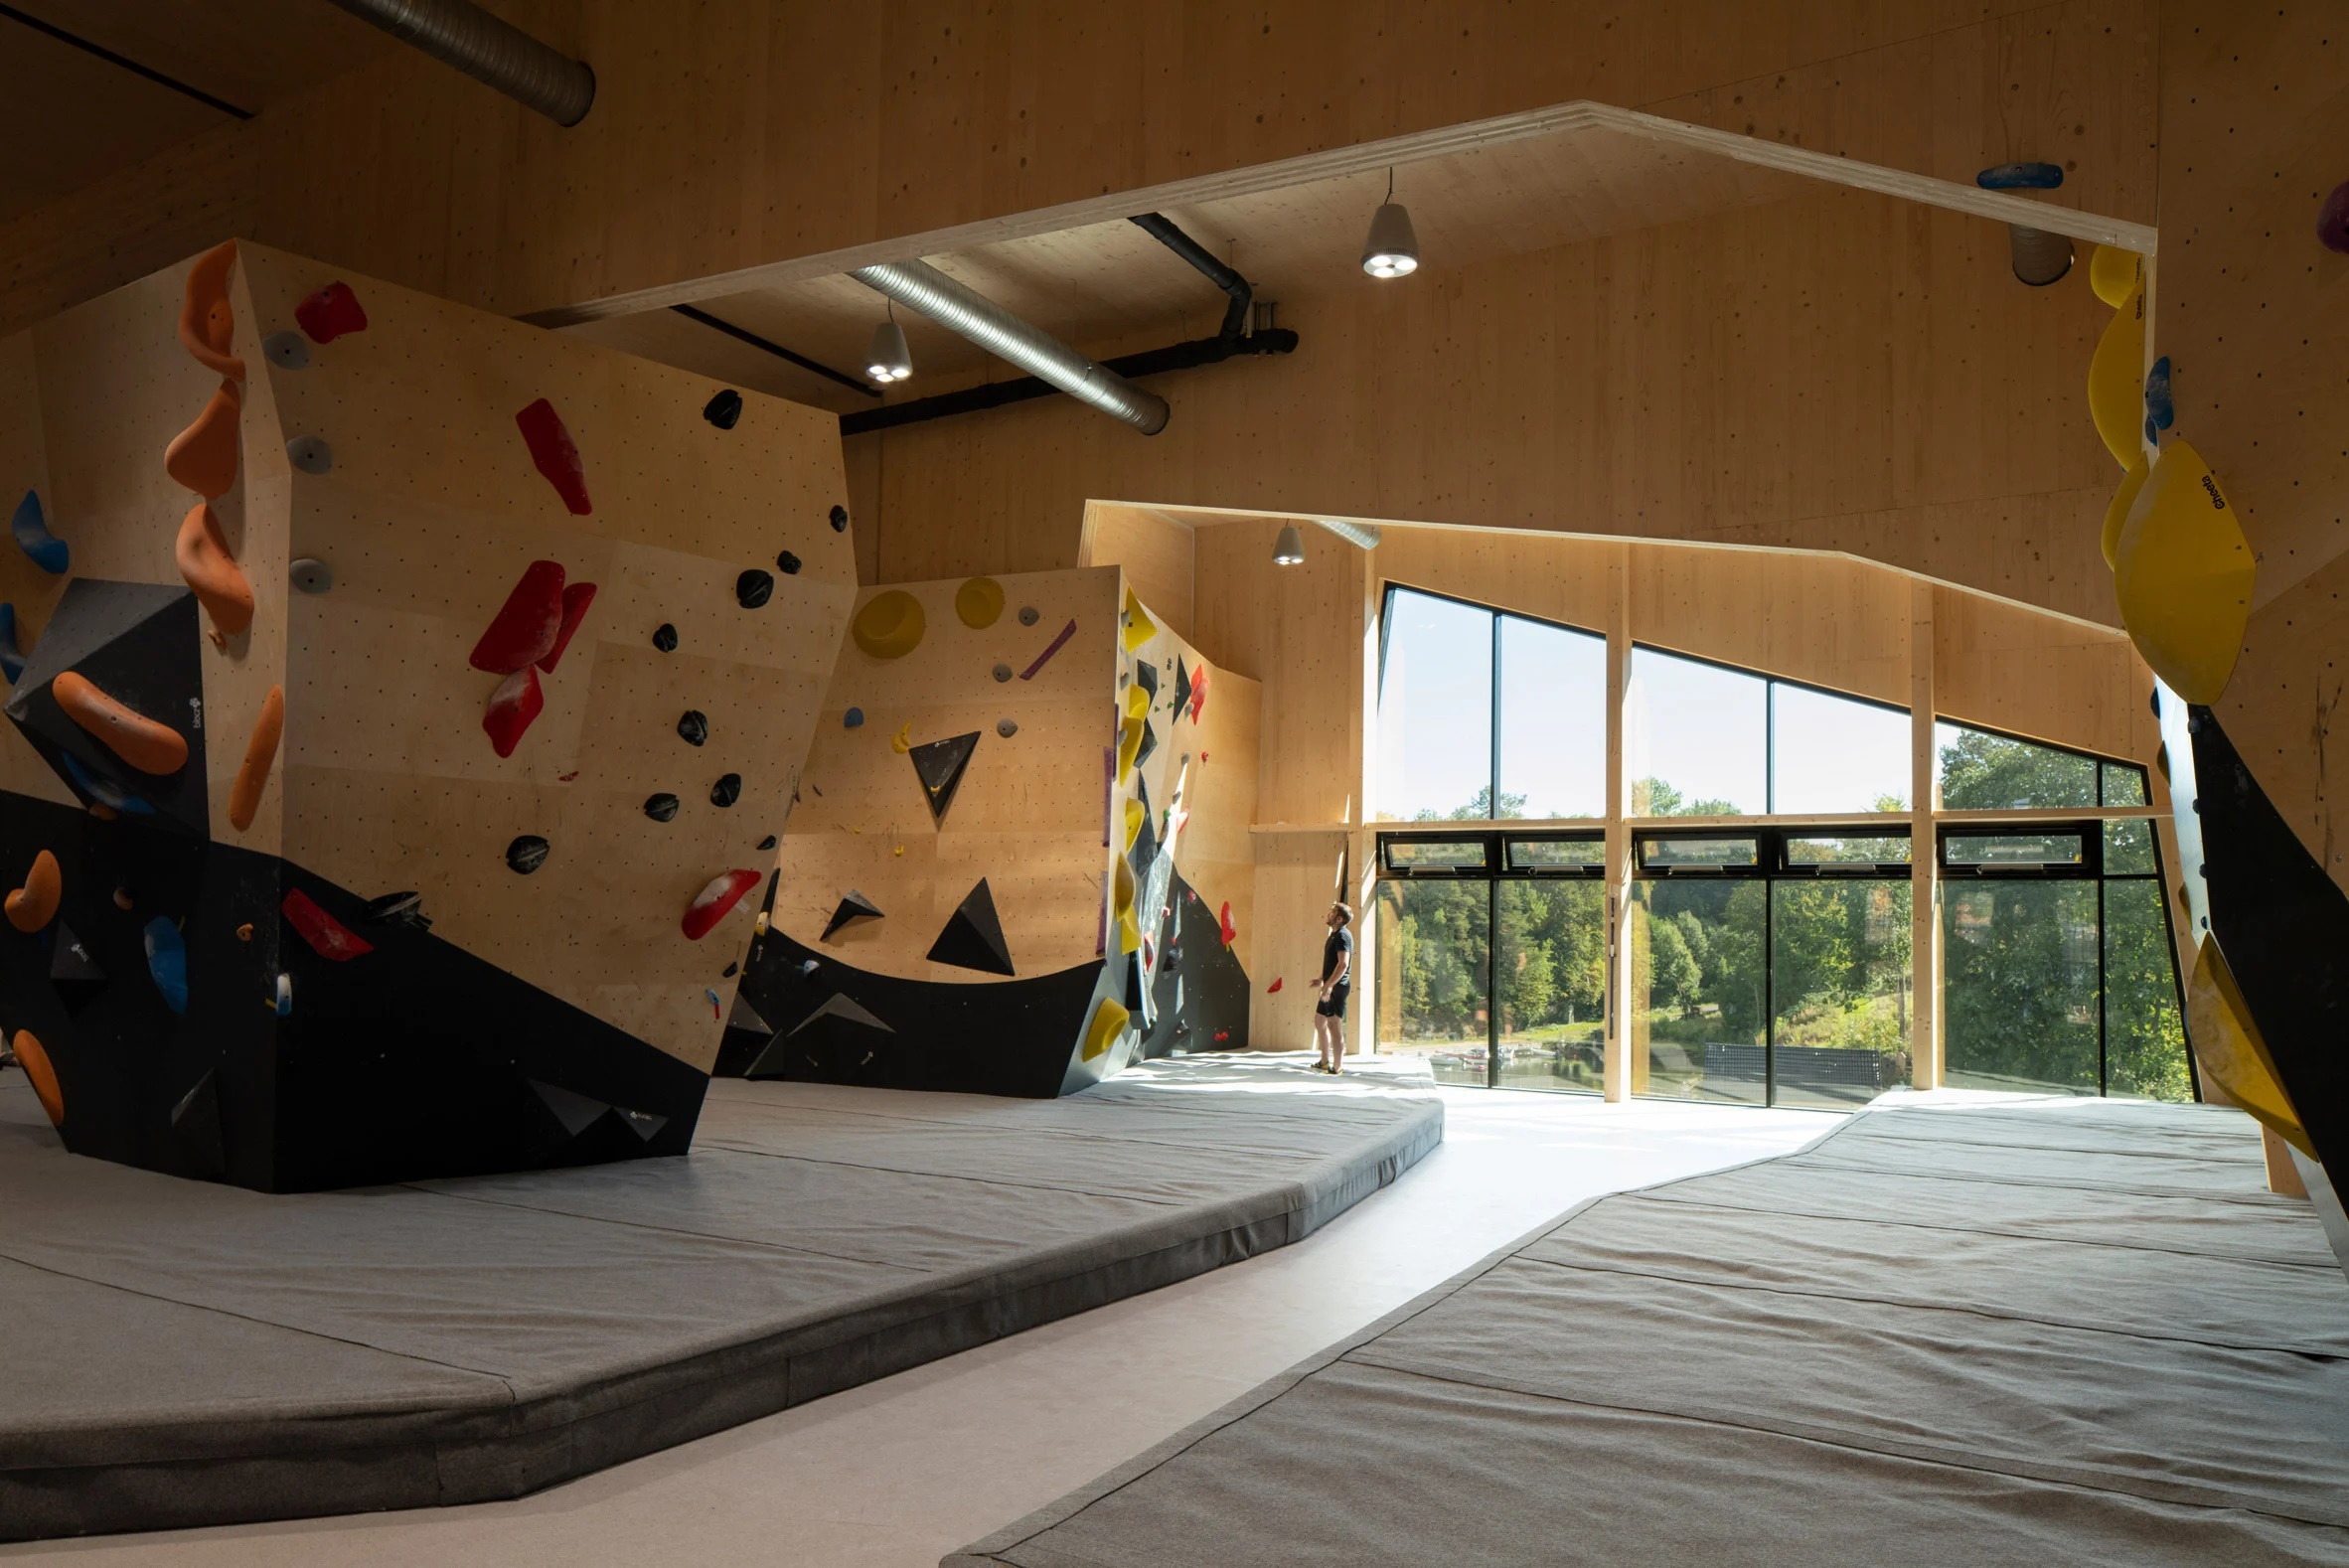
1235,319
994,395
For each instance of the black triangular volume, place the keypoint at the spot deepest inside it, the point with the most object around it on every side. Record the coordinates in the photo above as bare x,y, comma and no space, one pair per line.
1146,677
855,906
644,1124
1181,687
1146,842
1149,743
74,974
745,1017
196,1130
576,1111
974,937
847,1011
939,764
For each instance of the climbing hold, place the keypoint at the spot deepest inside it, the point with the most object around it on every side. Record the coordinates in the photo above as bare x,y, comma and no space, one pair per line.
1136,812
665,637
717,1011
2020,176
282,1003
331,312
2161,411
661,808
2230,1049
518,701
851,909
727,972
525,628
202,554
1146,678
35,1061
286,351
789,564
1199,697
2112,273
310,454
753,588
245,932
713,903
123,901
2183,572
1275,986
1181,687
727,789
767,842
137,739
853,718
1224,921
42,548
526,854
2117,509
939,764
890,625
693,727
2332,220
1110,1016
12,662
974,937
903,742
723,410
577,598
260,751
207,323
1066,632
328,937
839,520
979,603
405,909
1129,746
105,795
34,905
167,963
1140,628
1007,728
202,457
311,575
1001,672
557,457
2113,397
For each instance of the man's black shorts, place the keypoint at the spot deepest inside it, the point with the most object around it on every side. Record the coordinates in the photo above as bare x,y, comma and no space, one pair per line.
1335,1008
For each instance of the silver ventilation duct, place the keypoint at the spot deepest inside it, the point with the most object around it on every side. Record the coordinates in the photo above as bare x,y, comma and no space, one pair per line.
919,286
457,33
1361,536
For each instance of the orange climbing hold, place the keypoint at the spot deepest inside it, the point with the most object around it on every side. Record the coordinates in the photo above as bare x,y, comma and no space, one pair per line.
253,775
714,903
208,567
512,706
35,1061
34,905
202,457
207,323
135,738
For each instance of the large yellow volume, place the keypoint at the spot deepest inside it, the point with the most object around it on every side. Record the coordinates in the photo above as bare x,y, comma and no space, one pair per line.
2114,272
1140,628
2116,510
1109,1022
2116,380
890,625
2183,572
2229,1048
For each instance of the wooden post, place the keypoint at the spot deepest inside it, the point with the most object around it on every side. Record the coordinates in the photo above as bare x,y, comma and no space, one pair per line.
1619,1076
1360,879
1925,930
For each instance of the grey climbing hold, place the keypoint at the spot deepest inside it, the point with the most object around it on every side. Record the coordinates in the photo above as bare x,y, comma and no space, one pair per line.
1028,615
692,726
527,853
311,575
400,908
728,973
789,562
1007,728
807,968
665,637
851,718
723,410
289,351
310,454
753,588
727,791
1001,672
661,808
839,520
767,842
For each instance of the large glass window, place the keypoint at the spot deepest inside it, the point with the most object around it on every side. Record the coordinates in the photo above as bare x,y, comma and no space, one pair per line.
1836,753
1434,975
1981,771
1698,989
1696,737
1553,721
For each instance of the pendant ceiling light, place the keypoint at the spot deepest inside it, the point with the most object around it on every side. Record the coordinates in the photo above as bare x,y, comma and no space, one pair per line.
1288,548
888,360
1392,249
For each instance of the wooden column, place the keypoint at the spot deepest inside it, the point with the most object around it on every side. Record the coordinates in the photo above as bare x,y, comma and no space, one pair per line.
1361,872
1924,932
1619,1076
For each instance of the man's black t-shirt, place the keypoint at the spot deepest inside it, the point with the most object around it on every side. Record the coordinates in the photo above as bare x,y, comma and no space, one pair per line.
1340,941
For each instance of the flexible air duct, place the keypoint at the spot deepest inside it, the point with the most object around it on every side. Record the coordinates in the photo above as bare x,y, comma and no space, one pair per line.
490,51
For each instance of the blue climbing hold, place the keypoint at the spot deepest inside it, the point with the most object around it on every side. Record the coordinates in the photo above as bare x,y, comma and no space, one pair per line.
2161,411
12,662
103,789
851,718
31,528
2020,176
284,1002
167,961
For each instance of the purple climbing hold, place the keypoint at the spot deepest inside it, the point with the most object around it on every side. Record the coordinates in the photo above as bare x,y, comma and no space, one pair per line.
2332,220
2020,176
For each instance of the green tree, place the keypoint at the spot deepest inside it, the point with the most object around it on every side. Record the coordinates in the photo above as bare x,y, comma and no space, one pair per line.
1654,797
1985,772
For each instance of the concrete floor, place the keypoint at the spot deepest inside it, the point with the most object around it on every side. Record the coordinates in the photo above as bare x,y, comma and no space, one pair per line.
898,1473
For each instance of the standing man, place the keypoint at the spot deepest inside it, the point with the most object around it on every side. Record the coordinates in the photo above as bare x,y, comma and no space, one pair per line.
1338,966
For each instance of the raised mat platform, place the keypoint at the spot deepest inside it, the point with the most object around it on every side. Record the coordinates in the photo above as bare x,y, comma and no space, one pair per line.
1970,1329
186,1353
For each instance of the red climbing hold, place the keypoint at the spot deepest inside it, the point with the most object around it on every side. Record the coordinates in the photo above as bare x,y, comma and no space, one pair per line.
576,599
714,903
328,937
1221,1035
331,312
558,458
1229,931
517,701
1199,697
1275,986
527,624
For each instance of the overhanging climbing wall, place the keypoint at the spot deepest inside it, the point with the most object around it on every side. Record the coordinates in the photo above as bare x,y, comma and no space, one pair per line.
1007,773
402,703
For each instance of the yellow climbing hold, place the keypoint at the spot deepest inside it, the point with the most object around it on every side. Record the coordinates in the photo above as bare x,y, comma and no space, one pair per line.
1140,628
1129,746
2116,380
1134,815
2183,572
903,742
979,601
1137,700
2112,272
890,625
2228,1045
2116,510
1109,1022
